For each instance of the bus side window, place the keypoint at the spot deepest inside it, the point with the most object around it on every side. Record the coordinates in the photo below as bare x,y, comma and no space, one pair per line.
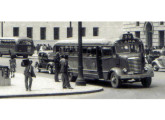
93,51
107,52
84,51
89,51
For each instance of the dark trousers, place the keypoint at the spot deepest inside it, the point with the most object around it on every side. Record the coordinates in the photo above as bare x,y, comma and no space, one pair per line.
65,80
56,76
28,82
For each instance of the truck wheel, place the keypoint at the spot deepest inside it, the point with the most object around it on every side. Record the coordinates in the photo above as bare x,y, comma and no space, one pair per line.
72,78
155,67
50,70
146,82
115,81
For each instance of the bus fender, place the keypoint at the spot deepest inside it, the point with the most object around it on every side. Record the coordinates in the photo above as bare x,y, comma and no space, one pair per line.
118,72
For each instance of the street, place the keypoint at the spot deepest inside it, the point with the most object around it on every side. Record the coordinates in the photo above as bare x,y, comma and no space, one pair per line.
127,91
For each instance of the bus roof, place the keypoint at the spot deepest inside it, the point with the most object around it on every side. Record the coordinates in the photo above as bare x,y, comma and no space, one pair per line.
89,42
15,38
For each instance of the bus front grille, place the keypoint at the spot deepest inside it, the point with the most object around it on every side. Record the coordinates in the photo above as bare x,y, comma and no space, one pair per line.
135,64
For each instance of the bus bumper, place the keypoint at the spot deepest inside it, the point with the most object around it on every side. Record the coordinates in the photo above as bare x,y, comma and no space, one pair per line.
136,76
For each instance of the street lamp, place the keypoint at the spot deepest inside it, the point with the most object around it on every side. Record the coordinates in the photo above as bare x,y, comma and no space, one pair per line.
80,80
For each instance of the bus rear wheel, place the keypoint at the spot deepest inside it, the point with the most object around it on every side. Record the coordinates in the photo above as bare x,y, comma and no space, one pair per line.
146,82
0,54
115,81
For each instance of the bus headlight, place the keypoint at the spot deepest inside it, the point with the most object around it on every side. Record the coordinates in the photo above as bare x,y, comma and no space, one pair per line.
124,70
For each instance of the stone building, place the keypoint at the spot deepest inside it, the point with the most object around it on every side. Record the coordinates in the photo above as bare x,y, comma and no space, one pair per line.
50,32
151,32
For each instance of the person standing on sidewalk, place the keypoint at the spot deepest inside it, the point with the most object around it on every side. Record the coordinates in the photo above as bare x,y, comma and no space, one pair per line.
12,66
64,71
29,73
57,66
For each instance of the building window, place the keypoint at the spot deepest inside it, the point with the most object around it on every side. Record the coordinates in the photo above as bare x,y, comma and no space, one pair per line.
56,33
137,23
161,23
15,31
95,31
161,39
43,33
83,31
30,32
69,32
137,34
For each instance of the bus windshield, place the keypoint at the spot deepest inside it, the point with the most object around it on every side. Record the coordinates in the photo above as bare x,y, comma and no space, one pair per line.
25,42
128,48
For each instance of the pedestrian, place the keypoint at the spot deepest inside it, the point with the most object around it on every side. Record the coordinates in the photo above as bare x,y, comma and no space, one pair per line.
64,71
57,66
29,73
12,66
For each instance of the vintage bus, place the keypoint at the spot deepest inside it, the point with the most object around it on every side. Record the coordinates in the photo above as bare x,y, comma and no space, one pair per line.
16,46
120,62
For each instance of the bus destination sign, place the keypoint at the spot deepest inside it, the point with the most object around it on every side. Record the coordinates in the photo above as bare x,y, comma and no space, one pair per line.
127,36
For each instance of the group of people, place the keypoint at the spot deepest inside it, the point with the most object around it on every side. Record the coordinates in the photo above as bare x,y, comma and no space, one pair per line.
61,66
42,47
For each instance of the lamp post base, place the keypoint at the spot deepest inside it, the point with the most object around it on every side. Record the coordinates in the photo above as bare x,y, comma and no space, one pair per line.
80,82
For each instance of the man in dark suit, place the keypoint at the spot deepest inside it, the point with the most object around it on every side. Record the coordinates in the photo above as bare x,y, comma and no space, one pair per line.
57,66
29,73
64,71
12,66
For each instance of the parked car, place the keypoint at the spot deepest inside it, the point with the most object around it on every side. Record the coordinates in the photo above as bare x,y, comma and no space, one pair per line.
159,63
45,61
153,55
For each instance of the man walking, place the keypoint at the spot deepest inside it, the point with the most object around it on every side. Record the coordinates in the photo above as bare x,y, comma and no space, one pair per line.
29,73
64,71
12,66
57,66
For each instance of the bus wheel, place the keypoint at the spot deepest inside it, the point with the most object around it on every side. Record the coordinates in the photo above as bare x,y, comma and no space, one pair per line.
50,70
155,66
146,82
25,56
115,81
0,55
72,78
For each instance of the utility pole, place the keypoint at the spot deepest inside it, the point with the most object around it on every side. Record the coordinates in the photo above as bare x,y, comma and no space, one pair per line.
80,80
2,29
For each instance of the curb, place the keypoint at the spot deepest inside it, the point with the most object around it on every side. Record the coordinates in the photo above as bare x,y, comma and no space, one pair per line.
51,94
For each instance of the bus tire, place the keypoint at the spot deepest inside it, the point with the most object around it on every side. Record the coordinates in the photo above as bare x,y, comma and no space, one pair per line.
146,82
72,78
115,81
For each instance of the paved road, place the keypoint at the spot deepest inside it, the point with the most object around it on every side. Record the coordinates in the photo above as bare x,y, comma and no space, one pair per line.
128,91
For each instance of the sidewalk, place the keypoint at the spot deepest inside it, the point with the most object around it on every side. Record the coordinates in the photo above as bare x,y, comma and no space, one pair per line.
42,86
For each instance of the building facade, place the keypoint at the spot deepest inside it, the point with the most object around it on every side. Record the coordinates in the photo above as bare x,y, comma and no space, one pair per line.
50,32
150,32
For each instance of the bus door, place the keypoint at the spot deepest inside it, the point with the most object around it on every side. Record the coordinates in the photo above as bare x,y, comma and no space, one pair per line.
90,62
99,62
